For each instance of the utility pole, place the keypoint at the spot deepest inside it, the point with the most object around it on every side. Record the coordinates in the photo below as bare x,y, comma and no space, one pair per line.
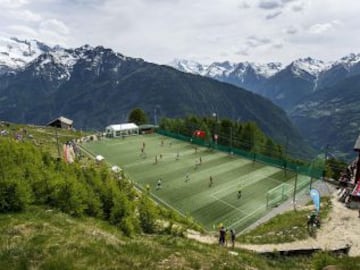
231,137
295,187
285,154
325,159
155,116
57,143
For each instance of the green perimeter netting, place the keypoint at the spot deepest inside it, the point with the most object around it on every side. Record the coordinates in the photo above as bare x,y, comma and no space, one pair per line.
278,194
309,170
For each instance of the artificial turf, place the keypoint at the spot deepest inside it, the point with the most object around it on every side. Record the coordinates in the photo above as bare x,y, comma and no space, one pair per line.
185,183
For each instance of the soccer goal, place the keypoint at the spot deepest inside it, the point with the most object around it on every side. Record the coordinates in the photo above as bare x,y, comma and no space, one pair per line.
278,194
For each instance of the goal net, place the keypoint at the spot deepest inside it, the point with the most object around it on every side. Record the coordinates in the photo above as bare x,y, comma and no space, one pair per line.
278,194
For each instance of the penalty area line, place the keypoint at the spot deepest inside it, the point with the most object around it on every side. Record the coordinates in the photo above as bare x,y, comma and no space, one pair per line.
247,216
228,204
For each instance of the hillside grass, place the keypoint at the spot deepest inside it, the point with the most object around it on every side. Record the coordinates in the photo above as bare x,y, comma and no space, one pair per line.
287,227
43,137
43,238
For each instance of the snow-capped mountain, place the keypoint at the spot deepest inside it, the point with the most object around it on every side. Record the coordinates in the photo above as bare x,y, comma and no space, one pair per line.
245,74
226,68
349,61
284,85
341,69
16,53
188,66
94,85
309,65
55,63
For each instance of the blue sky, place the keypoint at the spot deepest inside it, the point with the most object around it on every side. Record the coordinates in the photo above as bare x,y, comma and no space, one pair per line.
201,30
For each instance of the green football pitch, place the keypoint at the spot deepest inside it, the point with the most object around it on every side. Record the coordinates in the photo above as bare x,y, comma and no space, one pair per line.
185,182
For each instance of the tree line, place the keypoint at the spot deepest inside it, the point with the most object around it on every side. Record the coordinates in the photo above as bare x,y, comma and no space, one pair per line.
246,136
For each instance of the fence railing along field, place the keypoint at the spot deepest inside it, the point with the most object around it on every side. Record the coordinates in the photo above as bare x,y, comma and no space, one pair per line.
311,170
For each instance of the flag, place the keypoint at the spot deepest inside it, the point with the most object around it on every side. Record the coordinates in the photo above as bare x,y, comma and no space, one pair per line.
315,196
200,134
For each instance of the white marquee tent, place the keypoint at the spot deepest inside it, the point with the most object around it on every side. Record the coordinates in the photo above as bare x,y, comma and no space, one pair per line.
122,130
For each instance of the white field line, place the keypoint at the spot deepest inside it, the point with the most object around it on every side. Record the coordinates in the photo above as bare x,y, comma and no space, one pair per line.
117,143
90,153
244,180
232,206
185,155
168,205
137,186
247,216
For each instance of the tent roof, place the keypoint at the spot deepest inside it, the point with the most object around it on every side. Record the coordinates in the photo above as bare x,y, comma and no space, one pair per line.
125,126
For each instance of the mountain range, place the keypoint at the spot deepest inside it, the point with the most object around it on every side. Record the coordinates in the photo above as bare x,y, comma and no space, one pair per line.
307,89
96,86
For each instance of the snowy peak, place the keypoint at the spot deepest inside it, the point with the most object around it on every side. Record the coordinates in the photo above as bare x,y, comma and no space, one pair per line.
349,60
226,68
15,53
309,65
218,69
268,69
188,66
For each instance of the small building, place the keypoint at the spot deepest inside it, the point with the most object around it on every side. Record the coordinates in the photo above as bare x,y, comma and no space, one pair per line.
147,128
121,130
61,122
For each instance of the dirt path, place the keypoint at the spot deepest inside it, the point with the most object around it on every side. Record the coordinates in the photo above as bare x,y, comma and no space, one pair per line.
340,228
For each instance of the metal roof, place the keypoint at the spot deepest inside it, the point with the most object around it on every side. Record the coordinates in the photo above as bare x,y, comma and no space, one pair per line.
63,120
357,144
119,127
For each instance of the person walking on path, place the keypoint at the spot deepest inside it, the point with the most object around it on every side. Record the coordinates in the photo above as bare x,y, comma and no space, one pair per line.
232,235
222,236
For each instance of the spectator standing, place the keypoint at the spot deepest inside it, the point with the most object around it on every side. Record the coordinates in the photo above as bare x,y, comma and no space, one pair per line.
232,235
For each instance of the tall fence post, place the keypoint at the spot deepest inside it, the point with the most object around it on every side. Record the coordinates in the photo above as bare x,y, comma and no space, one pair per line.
295,187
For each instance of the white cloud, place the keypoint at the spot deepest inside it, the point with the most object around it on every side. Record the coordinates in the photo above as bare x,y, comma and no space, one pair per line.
22,31
278,45
54,25
25,15
320,28
291,30
255,41
269,4
244,5
160,30
12,3
243,52
298,7
273,15
288,1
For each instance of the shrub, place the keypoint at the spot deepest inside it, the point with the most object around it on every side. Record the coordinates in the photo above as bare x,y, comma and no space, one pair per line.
148,214
14,196
322,259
